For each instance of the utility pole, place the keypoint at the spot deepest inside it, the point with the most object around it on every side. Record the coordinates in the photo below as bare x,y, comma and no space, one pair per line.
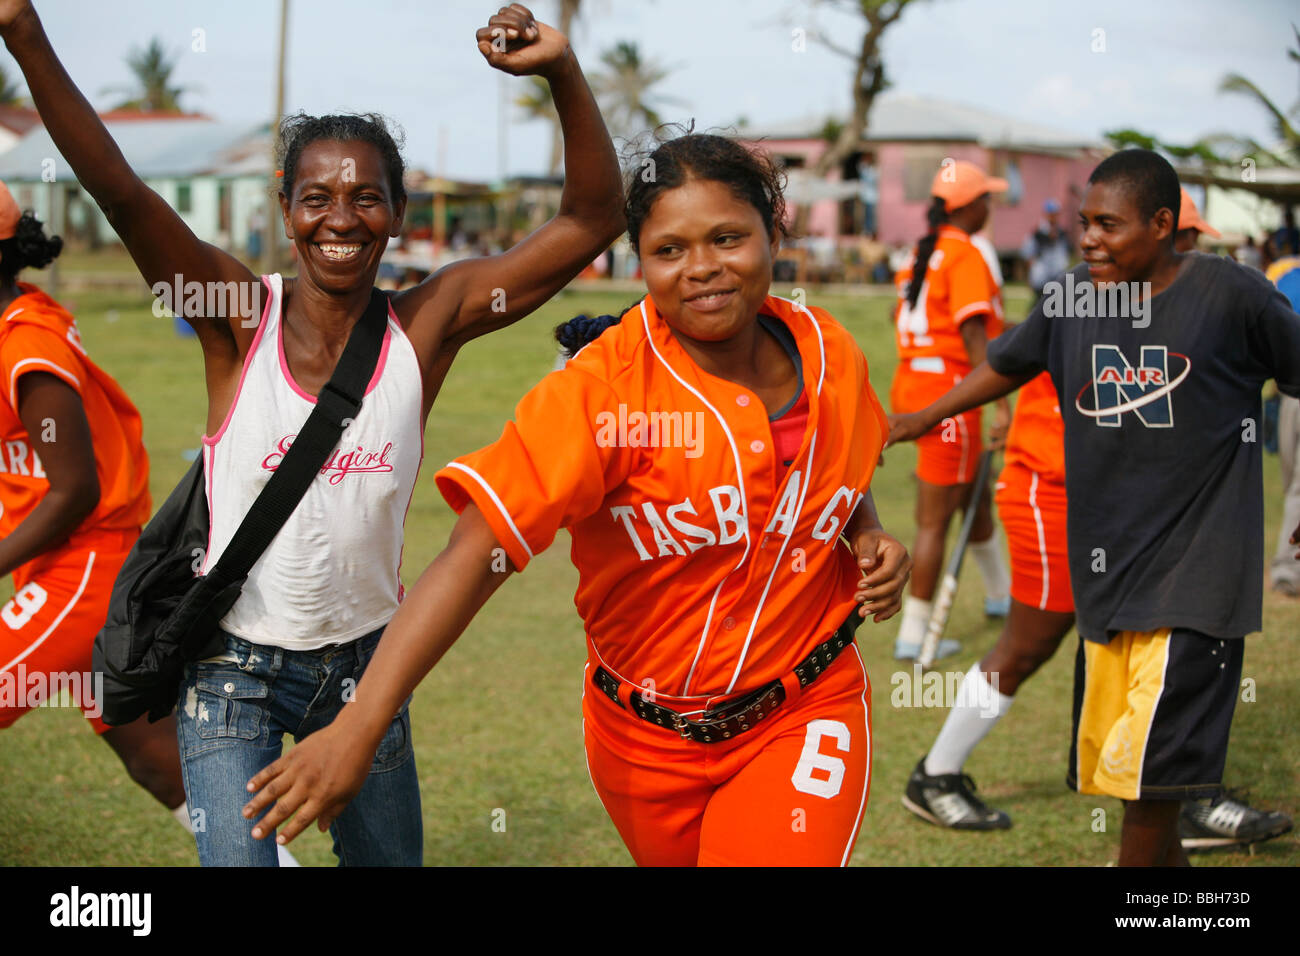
270,259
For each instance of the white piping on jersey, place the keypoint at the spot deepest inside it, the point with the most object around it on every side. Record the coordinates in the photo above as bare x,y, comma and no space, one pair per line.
1042,543
821,343
762,599
13,375
866,779
740,480
812,447
85,577
496,501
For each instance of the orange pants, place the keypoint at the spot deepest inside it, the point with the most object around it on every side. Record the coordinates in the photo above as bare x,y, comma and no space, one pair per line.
789,793
1032,512
949,453
48,628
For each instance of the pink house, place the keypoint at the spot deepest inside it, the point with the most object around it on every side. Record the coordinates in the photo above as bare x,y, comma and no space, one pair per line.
885,187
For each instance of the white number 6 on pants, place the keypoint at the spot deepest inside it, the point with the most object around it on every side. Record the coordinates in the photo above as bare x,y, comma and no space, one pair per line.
813,759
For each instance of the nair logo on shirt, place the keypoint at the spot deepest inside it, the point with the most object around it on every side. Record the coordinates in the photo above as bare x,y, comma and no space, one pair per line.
340,463
672,534
1118,387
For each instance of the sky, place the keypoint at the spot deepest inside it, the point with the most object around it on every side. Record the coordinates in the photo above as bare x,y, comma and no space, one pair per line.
416,62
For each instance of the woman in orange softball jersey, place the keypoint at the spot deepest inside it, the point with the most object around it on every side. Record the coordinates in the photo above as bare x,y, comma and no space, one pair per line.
707,453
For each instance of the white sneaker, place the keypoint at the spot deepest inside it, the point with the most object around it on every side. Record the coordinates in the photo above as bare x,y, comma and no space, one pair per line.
909,652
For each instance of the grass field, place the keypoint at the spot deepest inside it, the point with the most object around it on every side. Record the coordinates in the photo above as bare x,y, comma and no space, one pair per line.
498,725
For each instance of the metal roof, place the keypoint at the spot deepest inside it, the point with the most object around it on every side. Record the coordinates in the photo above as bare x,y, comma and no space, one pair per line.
172,148
905,116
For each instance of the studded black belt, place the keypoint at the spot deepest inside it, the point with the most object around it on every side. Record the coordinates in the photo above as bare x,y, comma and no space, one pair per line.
744,712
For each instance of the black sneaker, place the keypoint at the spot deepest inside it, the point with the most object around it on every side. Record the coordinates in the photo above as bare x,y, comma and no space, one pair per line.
1225,821
949,800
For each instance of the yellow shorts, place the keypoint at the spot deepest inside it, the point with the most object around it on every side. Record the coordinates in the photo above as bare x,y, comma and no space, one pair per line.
1152,711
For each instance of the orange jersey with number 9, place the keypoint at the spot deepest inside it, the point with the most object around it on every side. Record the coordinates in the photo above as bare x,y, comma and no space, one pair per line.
705,566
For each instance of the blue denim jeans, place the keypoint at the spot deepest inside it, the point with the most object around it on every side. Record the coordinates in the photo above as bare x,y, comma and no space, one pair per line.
233,713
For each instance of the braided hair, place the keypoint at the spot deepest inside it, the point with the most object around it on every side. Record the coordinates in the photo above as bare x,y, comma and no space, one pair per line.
28,246
935,217
582,330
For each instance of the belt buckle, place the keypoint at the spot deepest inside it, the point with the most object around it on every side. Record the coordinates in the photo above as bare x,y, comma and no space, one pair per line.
682,727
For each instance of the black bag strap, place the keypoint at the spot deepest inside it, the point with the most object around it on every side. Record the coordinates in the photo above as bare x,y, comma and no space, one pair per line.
337,404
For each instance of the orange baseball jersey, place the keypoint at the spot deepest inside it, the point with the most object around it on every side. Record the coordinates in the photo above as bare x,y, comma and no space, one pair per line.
958,285
1036,439
39,335
705,567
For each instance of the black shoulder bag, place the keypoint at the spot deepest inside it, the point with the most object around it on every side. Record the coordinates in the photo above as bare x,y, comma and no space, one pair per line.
160,615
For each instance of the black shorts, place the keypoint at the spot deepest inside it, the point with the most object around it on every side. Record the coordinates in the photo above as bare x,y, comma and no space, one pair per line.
1152,711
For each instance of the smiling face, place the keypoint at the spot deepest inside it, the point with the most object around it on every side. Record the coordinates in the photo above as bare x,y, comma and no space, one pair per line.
341,214
1118,243
707,260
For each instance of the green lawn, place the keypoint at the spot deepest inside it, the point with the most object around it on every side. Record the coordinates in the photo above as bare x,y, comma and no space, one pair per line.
498,725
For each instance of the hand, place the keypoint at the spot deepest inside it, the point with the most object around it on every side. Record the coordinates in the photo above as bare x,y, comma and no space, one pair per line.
906,428
12,10
316,780
885,566
513,42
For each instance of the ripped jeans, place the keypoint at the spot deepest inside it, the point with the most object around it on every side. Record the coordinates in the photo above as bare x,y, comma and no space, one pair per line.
233,713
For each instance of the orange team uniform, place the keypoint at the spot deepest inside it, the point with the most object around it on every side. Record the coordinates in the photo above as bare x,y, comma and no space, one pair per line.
707,569
958,286
1030,495
61,596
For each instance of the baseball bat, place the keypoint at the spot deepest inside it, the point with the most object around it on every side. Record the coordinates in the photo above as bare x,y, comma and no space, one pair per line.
948,589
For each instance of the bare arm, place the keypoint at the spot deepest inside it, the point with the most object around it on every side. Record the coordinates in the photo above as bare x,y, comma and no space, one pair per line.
475,296
55,420
979,387
318,778
157,238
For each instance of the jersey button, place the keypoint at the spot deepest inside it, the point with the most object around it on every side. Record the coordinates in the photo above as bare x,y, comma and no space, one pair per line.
729,623
756,447
742,401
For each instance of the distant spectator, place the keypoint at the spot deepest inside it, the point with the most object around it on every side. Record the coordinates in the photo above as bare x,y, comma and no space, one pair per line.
1047,249
256,226
1248,254
1284,573
1286,241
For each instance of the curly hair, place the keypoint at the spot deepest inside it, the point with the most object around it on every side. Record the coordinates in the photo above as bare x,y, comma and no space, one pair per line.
28,246
677,155
299,131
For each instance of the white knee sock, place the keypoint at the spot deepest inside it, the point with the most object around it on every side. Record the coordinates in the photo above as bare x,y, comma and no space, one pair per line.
993,567
976,711
916,618
182,816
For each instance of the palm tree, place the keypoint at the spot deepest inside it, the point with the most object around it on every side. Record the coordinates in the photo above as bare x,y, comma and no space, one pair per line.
1284,123
537,103
624,90
153,69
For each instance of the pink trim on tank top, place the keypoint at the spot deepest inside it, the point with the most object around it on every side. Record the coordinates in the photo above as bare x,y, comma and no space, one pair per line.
248,359
379,366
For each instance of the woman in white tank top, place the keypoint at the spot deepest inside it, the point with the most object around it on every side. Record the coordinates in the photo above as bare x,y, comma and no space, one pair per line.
310,615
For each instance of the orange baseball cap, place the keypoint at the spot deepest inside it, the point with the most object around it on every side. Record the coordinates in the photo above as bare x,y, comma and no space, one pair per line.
9,213
959,183
1189,217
